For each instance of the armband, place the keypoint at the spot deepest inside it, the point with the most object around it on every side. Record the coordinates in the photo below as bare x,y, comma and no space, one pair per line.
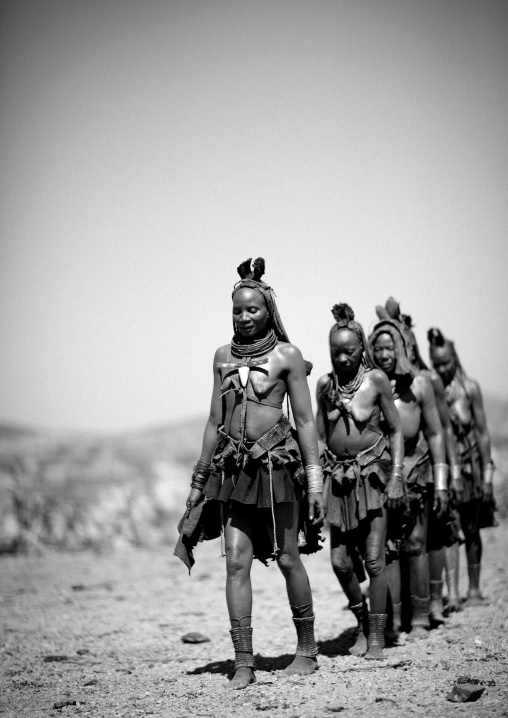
397,472
488,472
456,473
314,476
200,475
440,473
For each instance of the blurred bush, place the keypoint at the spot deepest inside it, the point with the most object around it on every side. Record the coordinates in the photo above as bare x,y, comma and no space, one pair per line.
89,491
77,491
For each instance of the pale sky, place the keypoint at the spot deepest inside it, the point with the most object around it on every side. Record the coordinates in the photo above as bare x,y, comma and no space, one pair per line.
148,147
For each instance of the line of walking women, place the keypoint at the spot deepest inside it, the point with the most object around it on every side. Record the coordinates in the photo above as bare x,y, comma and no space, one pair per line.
405,474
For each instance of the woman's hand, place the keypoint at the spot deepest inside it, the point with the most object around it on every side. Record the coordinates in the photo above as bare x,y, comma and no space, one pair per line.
396,493
316,508
440,502
193,499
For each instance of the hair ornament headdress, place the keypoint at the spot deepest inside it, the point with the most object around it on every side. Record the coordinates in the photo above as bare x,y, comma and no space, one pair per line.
252,269
343,314
436,338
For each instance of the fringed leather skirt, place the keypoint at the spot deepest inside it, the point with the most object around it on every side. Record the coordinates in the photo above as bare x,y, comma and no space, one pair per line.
260,475
471,469
402,520
356,487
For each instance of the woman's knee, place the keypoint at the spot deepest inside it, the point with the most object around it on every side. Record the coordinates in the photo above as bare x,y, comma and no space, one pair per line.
238,561
375,561
342,563
415,545
288,561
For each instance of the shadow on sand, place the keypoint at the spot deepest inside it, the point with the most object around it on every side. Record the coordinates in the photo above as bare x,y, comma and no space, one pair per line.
263,663
338,646
334,647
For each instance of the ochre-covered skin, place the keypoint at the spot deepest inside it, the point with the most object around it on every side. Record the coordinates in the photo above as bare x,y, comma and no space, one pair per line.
282,373
465,405
353,401
423,435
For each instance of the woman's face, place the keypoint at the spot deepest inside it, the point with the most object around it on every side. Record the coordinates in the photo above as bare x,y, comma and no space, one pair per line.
346,350
443,362
250,313
384,352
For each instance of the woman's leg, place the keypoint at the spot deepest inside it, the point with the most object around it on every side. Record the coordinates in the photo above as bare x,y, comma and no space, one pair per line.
239,553
419,576
297,586
436,529
394,592
452,576
375,564
343,567
436,566
469,516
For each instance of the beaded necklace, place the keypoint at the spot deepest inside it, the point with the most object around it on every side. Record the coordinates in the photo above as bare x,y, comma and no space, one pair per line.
348,390
247,350
343,393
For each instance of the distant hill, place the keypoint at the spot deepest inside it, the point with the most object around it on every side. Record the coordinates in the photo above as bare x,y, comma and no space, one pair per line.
83,489
86,489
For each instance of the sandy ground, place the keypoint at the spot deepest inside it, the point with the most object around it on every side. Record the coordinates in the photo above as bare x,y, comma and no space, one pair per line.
104,632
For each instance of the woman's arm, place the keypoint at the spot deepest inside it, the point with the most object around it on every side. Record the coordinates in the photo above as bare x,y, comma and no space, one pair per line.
449,436
482,434
210,433
321,417
395,489
433,431
299,395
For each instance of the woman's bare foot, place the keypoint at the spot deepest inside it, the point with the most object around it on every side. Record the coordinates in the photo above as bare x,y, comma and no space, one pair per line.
375,653
418,633
473,598
453,606
359,647
301,666
243,677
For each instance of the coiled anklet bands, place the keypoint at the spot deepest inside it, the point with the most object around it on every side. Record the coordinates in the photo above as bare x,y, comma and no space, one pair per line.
242,643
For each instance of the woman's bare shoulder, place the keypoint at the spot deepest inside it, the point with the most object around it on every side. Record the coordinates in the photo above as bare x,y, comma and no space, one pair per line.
289,350
221,354
472,387
322,382
376,378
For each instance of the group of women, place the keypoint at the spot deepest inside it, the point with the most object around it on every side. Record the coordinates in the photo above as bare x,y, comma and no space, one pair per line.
405,474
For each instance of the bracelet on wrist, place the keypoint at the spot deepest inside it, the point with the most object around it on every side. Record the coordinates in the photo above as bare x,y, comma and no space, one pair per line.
456,472
314,476
200,475
440,473
488,473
